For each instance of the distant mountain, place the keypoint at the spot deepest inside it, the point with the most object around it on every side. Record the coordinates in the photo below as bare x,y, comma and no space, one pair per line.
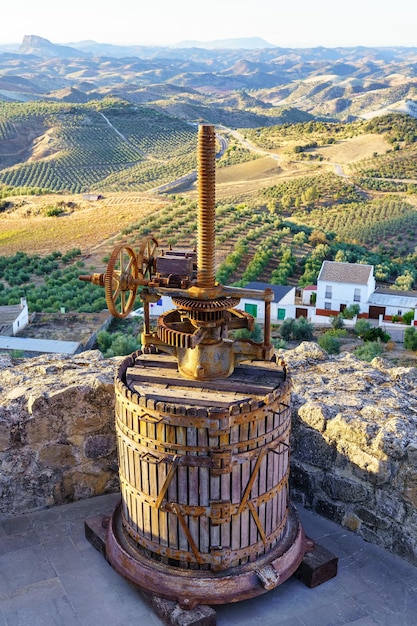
94,48
243,43
32,44
198,82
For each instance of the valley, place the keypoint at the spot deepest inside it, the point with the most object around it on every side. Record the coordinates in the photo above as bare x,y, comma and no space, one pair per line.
101,151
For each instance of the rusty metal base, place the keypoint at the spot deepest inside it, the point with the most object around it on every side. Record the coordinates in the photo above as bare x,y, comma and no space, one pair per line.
191,588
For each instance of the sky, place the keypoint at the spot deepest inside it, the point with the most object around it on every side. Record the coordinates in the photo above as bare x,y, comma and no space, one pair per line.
286,23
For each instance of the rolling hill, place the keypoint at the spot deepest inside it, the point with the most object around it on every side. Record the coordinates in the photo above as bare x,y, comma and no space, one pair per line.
319,154
338,83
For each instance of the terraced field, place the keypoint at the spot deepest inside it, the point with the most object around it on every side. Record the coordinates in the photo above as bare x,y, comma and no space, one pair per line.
277,217
106,145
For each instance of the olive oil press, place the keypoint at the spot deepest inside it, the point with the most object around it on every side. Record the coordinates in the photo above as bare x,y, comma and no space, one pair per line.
203,427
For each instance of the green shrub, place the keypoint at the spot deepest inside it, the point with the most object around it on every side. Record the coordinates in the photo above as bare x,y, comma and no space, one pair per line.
104,340
336,321
408,317
362,326
116,344
350,311
303,329
279,344
329,343
300,329
123,345
337,332
410,338
53,211
256,334
286,328
375,334
369,351
17,354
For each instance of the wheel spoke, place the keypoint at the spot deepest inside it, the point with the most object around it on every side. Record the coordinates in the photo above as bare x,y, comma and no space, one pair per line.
121,281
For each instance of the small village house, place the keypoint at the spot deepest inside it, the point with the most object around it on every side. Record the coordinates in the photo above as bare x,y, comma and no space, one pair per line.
14,318
340,285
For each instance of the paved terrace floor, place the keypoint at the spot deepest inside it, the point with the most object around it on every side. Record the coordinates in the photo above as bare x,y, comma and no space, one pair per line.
51,575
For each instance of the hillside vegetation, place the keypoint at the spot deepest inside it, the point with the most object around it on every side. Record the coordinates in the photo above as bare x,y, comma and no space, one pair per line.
109,145
282,206
235,87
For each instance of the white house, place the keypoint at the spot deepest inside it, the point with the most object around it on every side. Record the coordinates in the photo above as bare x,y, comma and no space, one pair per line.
14,318
385,303
341,284
282,306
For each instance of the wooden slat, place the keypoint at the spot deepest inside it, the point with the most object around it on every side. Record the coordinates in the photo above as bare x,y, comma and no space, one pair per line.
182,485
214,493
269,476
153,485
225,495
145,487
172,496
245,475
204,493
170,395
261,512
236,493
193,486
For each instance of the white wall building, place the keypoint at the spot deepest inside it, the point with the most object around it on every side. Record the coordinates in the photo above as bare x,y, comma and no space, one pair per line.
386,303
14,318
342,284
282,306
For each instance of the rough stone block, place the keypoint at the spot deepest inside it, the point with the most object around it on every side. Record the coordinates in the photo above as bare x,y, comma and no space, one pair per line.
310,447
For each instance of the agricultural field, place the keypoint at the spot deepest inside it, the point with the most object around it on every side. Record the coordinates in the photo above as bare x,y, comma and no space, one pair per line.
278,217
103,145
348,151
365,146
72,222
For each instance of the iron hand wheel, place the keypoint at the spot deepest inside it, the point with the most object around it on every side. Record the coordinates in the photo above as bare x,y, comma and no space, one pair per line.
121,281
146,258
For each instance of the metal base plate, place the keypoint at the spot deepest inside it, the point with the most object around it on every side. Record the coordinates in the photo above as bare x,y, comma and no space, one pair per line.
191,588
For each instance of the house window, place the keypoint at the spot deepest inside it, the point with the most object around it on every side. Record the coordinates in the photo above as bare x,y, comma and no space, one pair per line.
328,292
399,312
357,295
252,309
281,314
328,306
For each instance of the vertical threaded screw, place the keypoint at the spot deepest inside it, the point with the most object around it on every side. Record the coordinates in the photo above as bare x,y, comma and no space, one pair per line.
206,206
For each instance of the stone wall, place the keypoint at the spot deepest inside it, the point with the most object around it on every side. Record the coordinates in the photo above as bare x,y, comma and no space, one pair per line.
354,439
57,438
354,444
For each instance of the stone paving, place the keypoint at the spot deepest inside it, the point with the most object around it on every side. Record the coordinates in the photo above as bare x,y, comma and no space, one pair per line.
51,575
